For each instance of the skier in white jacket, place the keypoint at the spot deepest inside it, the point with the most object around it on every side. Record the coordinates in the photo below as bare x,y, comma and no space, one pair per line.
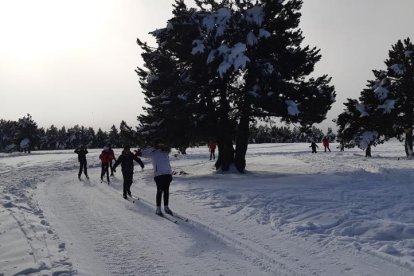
159,155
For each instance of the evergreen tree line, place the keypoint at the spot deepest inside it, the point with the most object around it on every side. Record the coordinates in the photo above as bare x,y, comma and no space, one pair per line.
385,108
284,134
23,133
12,133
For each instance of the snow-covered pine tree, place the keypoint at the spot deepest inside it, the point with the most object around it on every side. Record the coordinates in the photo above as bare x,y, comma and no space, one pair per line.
27,132
368,121
400,65
176,114
245,60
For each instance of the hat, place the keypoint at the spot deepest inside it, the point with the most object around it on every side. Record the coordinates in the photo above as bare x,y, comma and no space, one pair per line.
127,147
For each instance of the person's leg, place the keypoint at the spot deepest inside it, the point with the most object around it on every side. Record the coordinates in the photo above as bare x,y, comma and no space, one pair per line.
107,172
102,171
85,169
125,189
159,195
128,182
80,169
166,188
110,166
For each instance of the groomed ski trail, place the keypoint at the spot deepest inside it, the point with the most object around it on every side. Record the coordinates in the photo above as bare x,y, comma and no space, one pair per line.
111,236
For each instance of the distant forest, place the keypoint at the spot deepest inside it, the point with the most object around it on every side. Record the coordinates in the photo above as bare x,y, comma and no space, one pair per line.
24,134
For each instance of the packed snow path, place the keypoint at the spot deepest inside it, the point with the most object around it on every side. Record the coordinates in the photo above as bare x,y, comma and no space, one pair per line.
293,213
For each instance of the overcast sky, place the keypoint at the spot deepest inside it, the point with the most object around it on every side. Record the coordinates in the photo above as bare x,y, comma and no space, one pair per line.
72,62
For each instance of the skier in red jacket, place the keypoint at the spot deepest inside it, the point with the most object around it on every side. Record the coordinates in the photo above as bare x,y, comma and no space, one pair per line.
212,149
325,143
106,157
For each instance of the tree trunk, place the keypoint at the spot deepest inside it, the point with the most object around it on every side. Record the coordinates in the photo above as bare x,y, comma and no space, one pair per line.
409,143
224,137
368,151
242,140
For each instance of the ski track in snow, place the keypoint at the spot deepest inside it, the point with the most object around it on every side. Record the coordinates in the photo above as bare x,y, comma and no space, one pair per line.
325,214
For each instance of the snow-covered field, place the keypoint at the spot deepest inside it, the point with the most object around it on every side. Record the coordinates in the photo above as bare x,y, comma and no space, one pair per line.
292,213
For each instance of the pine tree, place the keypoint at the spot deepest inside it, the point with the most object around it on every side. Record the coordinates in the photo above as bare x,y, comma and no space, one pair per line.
114,136
400,65
27,135
237,61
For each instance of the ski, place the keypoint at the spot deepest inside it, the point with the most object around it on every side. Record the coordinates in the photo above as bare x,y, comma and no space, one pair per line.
180,217
134,197
130,199
168,218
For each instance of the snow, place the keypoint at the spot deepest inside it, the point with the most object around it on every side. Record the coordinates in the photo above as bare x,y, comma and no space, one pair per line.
291,213
381,92
24,143
232,57
387,106
198,47
217,20
255,15
366,138
361,109
292,108
398,69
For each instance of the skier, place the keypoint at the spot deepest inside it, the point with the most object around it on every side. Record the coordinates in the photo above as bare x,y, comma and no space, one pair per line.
162,173
82,152
110,162
313,146
106,157
126,159
325,142
212,149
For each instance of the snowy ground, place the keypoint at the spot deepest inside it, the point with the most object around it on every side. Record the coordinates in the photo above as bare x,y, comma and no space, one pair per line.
292,213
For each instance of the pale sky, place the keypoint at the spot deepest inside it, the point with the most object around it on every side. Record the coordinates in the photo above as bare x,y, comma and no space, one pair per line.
72,62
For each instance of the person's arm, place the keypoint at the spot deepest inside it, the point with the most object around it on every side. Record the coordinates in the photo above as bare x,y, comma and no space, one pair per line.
139,161
117,162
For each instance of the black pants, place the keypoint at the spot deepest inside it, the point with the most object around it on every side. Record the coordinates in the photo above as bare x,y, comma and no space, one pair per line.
163,186
127,182
105,170
110,166
83,167
212,154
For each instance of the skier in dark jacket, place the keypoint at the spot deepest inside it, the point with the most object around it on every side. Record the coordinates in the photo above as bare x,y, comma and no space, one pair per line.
126,159
82,152
313,146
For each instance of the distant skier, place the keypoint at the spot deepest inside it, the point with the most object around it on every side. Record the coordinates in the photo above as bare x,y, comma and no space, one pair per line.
325,143
110,162
82,152
126,159
162,173
313,146
106,157
212,149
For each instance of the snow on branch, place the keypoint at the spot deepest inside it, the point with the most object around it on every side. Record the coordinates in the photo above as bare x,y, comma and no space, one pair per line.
361,109
292,108
366,138
255,15
381,92
387,106
398,69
